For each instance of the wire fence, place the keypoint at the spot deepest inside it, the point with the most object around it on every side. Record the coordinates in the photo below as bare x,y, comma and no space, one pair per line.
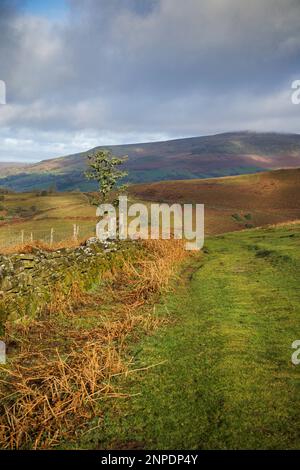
49,236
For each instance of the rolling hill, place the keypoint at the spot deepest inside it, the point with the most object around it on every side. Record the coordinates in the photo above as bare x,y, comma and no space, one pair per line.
195,157
233,203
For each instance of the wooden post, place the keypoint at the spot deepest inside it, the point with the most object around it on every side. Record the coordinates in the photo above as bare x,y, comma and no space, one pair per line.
22,237
51,236
31,237
74,232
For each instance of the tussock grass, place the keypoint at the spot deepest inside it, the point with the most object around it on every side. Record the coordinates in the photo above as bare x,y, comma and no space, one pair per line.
63,301
137,281
41,245
66,361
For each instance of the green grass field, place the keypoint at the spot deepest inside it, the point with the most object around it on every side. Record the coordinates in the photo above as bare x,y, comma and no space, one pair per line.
226,380
37,215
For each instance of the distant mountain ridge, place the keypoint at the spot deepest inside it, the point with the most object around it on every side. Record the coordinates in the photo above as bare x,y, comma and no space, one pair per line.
7,168
225,154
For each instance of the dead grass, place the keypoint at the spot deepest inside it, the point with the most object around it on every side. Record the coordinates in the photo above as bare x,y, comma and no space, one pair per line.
40,245
64,301
136,282
50,396
284,224
64,367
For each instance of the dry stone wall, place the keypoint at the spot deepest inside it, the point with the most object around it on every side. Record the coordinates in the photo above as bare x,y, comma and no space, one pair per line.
26,280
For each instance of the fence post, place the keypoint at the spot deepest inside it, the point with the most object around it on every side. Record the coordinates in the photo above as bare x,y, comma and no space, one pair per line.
51,236
75,232
22,237
31,237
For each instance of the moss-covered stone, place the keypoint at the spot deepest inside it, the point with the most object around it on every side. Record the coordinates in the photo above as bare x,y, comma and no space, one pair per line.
26,280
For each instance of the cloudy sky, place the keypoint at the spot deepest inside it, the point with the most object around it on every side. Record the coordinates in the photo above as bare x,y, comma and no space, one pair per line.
81,73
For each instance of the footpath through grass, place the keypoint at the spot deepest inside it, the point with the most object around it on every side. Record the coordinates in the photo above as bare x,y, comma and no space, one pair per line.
227,381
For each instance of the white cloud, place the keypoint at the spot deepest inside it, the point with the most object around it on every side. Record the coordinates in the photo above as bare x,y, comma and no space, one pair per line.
126,70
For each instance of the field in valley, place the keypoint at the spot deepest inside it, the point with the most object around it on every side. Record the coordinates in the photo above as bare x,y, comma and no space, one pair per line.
26,215
231,203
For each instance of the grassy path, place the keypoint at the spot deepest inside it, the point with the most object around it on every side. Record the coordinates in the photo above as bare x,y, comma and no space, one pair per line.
227,380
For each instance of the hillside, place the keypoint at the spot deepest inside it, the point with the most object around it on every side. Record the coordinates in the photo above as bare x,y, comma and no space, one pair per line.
10,168
196,157
231,203
234,203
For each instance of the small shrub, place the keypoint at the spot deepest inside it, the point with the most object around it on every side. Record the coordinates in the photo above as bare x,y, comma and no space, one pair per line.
237,217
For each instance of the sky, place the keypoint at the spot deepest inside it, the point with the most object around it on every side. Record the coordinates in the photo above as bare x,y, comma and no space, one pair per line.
82,73
51,9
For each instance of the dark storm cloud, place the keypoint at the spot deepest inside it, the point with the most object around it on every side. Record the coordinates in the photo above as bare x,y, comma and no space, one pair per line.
123,70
